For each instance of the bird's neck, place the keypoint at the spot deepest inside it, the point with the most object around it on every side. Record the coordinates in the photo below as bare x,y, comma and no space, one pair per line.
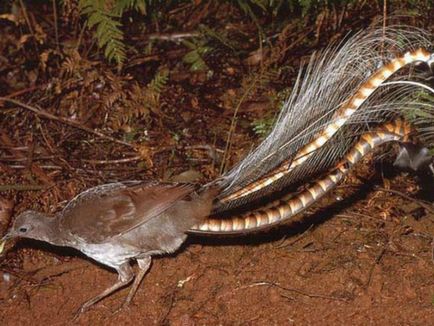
51,232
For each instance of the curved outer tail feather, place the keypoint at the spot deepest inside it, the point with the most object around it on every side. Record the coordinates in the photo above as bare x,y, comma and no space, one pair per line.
341,117
282,211
342,93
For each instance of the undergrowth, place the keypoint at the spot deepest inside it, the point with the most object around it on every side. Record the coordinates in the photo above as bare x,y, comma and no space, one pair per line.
105,18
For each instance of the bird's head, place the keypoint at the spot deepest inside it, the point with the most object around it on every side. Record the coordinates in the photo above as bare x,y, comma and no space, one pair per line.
32,225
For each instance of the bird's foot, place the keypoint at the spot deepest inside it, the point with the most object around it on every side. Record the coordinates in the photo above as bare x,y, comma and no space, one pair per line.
78,313
124,306
83,308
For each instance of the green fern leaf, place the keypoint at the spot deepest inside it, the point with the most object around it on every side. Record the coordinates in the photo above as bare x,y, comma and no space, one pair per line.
108,29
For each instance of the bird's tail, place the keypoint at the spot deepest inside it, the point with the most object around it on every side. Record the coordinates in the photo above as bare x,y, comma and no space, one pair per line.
282,210
346,90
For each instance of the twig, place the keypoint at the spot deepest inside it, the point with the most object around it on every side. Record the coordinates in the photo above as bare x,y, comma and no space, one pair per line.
29,25
19,187
55,151
56,31
122,160
24,159
80,36
384,18
25,90
310,295
376,262
234,123
351,215
46,115
170,302
297,41
423,204
15,148
46,167
298,238
172,36
384,26
42,274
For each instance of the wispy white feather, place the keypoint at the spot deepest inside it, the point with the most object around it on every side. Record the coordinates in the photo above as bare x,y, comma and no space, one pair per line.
330,78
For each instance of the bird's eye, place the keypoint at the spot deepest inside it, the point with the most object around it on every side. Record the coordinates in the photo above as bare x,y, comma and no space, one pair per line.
22,230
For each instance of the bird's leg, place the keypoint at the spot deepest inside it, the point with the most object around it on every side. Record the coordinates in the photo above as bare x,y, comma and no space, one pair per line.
144,264
125,276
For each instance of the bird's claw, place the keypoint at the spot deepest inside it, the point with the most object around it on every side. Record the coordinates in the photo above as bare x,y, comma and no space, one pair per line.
123,306
83,308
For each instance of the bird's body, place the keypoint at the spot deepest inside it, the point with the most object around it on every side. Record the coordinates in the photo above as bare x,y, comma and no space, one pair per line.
119,222
339,97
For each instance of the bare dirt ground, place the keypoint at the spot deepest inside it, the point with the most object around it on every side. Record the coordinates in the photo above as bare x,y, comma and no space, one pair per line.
366,262
365,259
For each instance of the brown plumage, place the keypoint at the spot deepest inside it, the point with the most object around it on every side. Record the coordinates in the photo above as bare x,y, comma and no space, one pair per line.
316,132
116,223
281,211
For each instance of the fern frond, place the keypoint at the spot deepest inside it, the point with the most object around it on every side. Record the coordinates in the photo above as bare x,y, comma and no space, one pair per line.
121,6
198,50
160,80
128,103
108,28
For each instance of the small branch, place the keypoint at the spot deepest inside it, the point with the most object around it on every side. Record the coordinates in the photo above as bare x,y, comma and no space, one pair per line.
45,167
24,159
310,295
122,160
376,262
19,187
56,31
234,124
74,124
423,204
29,25
172,36
298,238
23,91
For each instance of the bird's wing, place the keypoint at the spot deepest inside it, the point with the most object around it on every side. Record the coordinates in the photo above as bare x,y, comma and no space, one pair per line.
100,215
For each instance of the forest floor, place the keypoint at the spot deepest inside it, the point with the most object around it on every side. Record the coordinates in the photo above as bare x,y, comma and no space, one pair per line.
363,255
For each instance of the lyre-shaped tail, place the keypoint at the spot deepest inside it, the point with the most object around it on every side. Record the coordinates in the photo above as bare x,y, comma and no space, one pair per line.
340,118
282,211
342,92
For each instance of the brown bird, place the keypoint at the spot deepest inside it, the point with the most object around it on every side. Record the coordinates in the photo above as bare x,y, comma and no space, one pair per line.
118,222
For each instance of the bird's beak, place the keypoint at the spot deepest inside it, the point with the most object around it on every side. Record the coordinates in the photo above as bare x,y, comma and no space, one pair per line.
3,240
6,237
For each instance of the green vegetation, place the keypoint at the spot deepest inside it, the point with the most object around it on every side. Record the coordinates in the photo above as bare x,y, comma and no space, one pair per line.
105,18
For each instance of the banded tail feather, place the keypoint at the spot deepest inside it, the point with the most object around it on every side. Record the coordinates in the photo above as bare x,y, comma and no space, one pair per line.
341,92
282,211
341,117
